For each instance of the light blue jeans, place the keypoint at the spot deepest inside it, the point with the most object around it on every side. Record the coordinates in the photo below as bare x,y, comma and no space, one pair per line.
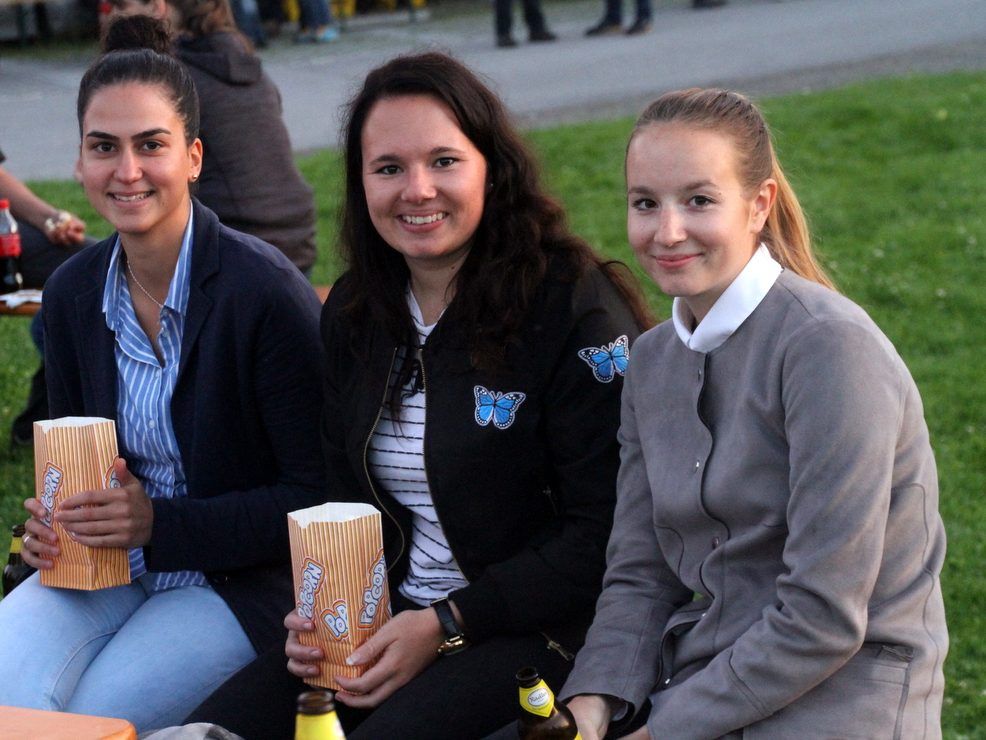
149,658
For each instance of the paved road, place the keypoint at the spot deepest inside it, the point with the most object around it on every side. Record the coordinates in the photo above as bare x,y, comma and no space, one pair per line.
759,46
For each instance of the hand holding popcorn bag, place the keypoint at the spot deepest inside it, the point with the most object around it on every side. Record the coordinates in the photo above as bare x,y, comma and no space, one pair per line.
71,455
340,579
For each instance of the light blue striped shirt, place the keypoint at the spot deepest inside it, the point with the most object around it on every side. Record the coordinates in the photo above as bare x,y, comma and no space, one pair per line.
144,390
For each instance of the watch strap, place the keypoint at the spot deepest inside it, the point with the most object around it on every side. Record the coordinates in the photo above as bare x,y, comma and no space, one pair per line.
446,618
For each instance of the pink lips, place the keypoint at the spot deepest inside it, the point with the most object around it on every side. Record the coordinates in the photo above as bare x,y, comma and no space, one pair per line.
675,261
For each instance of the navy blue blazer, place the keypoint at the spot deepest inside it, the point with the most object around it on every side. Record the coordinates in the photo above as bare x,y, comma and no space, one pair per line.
245,410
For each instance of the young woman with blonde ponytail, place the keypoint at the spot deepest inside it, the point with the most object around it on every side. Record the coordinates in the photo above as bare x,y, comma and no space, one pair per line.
774,565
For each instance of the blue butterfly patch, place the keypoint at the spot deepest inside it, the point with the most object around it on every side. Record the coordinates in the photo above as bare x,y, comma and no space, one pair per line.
500,408
609,360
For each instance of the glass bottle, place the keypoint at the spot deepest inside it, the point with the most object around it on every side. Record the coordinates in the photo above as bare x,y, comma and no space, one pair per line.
317,718
10,251
16,570
541,718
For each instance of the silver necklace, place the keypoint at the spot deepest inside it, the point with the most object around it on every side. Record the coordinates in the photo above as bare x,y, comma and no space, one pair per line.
144,290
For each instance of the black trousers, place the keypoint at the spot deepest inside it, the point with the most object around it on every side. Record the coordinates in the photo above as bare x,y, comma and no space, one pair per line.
39,257
504,20
458,697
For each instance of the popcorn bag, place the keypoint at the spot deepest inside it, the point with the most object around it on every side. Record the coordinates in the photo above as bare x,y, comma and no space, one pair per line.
71,455
340,578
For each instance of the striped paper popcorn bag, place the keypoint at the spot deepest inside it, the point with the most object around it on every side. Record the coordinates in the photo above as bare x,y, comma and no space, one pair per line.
340,580
71,455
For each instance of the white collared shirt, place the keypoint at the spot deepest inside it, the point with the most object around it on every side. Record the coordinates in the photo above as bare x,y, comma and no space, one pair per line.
732,308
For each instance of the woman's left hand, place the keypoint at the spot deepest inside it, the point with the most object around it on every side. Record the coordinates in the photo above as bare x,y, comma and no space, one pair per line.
111,517
403,648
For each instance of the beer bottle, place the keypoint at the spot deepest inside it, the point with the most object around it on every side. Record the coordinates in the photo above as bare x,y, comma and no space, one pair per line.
16,570
540,717
10,251
317,718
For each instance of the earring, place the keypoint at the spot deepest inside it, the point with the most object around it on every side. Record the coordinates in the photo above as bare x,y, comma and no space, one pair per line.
193,178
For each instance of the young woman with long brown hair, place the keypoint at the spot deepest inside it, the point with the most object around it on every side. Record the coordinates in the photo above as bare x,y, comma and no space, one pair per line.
475,355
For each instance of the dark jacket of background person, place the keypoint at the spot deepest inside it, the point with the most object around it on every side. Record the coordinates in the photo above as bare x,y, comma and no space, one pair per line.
244,410
774,564
527,509
249,177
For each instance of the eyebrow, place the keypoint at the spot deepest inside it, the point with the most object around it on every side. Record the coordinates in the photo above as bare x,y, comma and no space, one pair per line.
433,152
136,137
698,184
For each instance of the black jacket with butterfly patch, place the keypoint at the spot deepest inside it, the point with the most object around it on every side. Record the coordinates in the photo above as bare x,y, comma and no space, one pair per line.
524,487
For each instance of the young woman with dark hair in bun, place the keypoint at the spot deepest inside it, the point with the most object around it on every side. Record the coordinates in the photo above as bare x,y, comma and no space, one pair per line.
188,335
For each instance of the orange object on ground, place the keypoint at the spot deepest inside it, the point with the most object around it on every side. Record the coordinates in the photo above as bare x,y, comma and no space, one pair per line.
36,724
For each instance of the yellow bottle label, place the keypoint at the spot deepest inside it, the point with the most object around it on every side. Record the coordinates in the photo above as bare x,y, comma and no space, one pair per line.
15,545
318,727
538,699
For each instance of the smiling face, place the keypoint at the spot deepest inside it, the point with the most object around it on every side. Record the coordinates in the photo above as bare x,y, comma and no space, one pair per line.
691,223
424,181
135,163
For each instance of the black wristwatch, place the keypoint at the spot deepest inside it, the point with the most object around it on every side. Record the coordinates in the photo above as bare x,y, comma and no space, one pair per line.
455,641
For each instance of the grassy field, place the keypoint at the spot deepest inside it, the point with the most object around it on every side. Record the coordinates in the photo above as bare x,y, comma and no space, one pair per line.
891,174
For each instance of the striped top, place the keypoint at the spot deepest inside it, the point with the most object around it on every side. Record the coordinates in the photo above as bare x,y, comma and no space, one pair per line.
144,390
396,461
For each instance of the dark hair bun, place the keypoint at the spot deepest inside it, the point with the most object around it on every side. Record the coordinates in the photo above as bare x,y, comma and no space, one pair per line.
137,32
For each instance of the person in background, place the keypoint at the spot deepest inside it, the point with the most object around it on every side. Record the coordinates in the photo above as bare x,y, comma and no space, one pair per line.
612,20
49,236
475,354
503,21
201,343
249,177
315,24
774,564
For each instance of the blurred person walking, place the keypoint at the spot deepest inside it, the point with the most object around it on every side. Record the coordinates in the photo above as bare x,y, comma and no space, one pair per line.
537,26
612,20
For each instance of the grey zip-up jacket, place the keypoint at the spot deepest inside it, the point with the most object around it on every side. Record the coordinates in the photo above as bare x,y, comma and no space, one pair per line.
773,569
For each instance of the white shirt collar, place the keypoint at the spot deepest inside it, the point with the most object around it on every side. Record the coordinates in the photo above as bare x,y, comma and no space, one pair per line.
732,308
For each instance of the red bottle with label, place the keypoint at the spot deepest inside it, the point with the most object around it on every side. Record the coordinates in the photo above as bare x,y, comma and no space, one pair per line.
10,250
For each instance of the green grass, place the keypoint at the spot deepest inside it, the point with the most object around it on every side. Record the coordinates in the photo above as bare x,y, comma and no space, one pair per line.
890,173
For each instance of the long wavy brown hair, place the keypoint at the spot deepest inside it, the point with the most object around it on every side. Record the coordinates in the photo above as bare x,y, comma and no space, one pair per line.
522,229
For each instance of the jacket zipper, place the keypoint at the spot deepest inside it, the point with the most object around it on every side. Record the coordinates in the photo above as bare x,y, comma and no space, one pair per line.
558,648
552,644
366,467
424,457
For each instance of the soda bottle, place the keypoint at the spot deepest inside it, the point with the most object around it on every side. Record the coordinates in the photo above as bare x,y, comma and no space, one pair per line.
317,718
540,717
10,250
16,570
